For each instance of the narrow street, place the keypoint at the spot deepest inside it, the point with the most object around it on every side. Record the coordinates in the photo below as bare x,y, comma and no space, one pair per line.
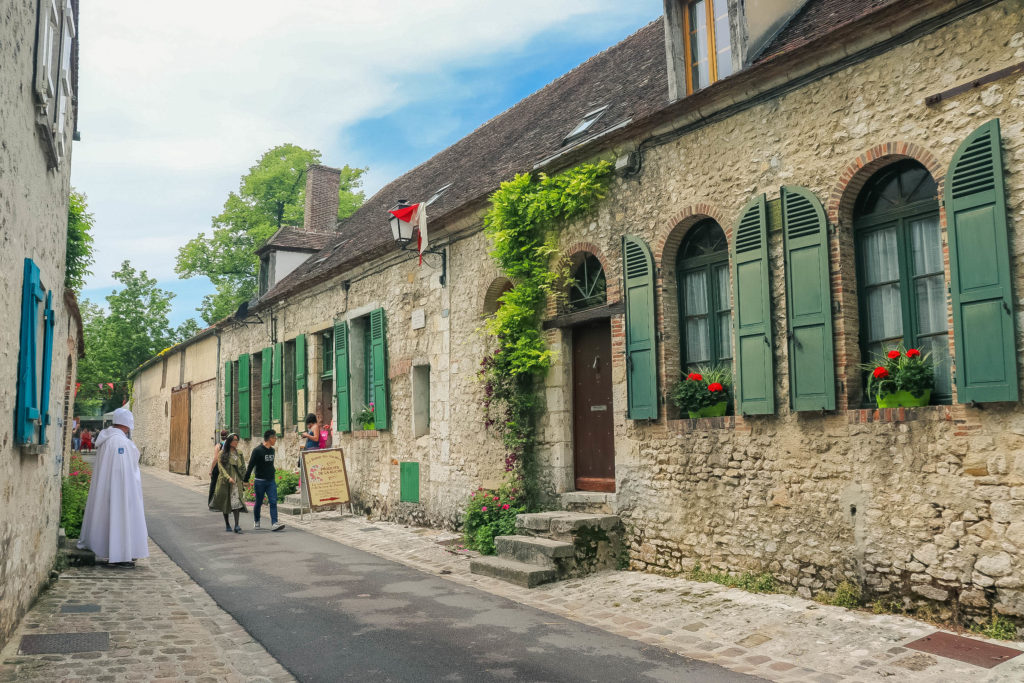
330,612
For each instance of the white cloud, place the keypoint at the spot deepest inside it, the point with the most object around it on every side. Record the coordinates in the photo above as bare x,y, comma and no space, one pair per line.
177,100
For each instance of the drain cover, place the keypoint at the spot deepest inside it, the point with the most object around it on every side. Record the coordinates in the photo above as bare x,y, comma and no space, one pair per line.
64,643
369,528
964,649
79,609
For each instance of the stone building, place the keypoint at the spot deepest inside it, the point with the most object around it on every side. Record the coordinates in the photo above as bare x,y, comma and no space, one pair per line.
797,187
42,340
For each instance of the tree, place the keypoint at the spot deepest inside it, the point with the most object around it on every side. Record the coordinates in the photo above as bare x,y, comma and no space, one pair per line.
78,254
132,328
270,195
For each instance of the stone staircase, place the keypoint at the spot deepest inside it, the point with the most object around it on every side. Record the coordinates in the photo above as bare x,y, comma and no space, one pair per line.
551,546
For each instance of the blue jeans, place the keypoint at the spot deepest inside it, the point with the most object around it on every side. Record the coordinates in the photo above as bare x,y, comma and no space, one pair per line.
263,486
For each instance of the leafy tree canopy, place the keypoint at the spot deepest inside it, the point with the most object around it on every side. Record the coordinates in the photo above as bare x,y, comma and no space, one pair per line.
131,329
78,255
270,195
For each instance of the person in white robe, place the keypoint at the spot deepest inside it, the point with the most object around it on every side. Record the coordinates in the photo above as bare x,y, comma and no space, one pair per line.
114,526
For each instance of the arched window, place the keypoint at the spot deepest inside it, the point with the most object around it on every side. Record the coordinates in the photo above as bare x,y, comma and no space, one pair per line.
702,275
588,286
900,276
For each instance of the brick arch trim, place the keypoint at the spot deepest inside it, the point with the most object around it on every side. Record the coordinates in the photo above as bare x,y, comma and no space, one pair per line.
576,251
494,290
675,228
844,195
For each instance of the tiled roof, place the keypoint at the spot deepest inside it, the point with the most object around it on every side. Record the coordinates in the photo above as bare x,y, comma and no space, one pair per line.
630,78
815,19
297,238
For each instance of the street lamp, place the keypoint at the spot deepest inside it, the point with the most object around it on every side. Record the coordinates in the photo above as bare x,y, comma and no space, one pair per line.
402,231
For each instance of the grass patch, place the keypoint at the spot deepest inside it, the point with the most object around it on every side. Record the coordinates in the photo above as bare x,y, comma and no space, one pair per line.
748,581
999,629
845,595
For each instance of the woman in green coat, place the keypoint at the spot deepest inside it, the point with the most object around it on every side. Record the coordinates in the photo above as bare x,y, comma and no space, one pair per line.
227,497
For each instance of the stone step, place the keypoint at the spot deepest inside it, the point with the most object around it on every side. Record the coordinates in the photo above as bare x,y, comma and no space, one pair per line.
519,573
562,522
542,552
293,499
285,509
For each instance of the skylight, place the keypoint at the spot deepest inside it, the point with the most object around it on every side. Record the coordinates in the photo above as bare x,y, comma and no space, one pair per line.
586,124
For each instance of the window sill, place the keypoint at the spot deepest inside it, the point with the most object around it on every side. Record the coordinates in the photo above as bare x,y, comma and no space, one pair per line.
33,448
867,415
685,426
366,433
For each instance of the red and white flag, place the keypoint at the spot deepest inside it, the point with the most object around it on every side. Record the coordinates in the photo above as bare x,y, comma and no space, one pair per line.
417,215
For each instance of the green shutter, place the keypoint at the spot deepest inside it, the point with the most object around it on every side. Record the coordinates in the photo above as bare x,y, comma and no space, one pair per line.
265,386
277,386
300,362
227,396
244,401
409,477
808,302
979,264
379,349
344,418
755,382
641,364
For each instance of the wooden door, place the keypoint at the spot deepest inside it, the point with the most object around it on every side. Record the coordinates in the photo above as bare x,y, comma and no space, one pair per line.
181,427
593,435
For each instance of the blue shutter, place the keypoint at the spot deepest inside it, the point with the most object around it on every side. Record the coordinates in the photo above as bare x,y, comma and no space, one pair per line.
26,406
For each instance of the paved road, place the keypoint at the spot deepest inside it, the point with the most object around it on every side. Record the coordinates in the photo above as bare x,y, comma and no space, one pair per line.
329,612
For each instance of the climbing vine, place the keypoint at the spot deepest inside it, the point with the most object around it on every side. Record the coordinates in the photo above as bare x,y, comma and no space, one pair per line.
522,226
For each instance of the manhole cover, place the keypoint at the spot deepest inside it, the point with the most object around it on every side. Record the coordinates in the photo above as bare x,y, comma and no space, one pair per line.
64,643
369,528
79,609
964,649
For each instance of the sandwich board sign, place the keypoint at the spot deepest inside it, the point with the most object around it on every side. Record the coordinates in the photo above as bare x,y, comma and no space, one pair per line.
324,479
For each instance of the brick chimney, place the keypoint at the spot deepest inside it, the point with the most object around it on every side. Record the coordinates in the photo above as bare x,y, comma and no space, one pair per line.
321,214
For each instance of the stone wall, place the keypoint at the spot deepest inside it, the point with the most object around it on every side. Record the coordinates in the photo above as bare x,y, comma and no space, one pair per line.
33,224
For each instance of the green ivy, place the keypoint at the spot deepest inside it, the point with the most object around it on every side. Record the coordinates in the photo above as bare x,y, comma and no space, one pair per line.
522,226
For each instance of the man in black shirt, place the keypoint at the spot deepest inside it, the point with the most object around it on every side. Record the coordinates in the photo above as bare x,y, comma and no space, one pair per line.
262,461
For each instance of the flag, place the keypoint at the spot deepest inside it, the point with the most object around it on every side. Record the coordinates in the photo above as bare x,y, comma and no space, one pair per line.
417,214
111,385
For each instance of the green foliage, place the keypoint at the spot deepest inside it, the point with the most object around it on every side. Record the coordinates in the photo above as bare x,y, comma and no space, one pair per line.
845,595
287,484
74,492
521,224
491,513
366,417
78,255
131,329
998,628
748,581
692,393
270,195
915,373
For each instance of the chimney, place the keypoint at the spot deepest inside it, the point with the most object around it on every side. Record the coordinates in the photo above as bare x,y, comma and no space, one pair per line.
321,214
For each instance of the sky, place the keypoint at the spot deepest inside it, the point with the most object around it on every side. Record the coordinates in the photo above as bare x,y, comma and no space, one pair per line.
177,101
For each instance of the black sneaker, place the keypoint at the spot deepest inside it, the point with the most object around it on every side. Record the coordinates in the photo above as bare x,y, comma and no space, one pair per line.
238,529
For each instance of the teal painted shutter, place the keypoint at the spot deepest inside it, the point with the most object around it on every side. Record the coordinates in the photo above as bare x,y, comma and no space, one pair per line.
755,381
409,477
244,401
276,385
979,263
641,364
44,401
344,419
379,349
26,406
227,396
265,387
808,302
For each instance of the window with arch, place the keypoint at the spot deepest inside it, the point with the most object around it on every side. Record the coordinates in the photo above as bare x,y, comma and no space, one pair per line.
901,282
588,286
702,276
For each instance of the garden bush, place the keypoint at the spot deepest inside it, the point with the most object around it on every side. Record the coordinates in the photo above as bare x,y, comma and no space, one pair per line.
287,483
74,492
491,513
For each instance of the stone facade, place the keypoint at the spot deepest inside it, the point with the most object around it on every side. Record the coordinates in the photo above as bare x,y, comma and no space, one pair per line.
925,504
33,224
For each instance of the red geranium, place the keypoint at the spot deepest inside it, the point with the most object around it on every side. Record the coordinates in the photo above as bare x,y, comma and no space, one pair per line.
913,353
880,372
714,386
893,354
694,376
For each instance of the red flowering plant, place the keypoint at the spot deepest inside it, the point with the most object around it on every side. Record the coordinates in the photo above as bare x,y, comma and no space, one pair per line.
898,371
74,491
492,512
707,387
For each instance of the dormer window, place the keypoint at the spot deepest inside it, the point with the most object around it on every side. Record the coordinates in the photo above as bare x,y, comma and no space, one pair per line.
586,124
708,50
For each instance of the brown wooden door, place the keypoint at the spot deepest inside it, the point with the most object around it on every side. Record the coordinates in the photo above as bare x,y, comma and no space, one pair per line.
593,436
181,427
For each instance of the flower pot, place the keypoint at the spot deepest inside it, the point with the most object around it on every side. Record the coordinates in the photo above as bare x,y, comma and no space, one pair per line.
717,410
904,399
369,426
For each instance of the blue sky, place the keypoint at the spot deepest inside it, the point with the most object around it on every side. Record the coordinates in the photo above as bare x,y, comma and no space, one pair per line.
167,133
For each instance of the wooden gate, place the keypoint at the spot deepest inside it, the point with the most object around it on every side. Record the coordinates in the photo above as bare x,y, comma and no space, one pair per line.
181,427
